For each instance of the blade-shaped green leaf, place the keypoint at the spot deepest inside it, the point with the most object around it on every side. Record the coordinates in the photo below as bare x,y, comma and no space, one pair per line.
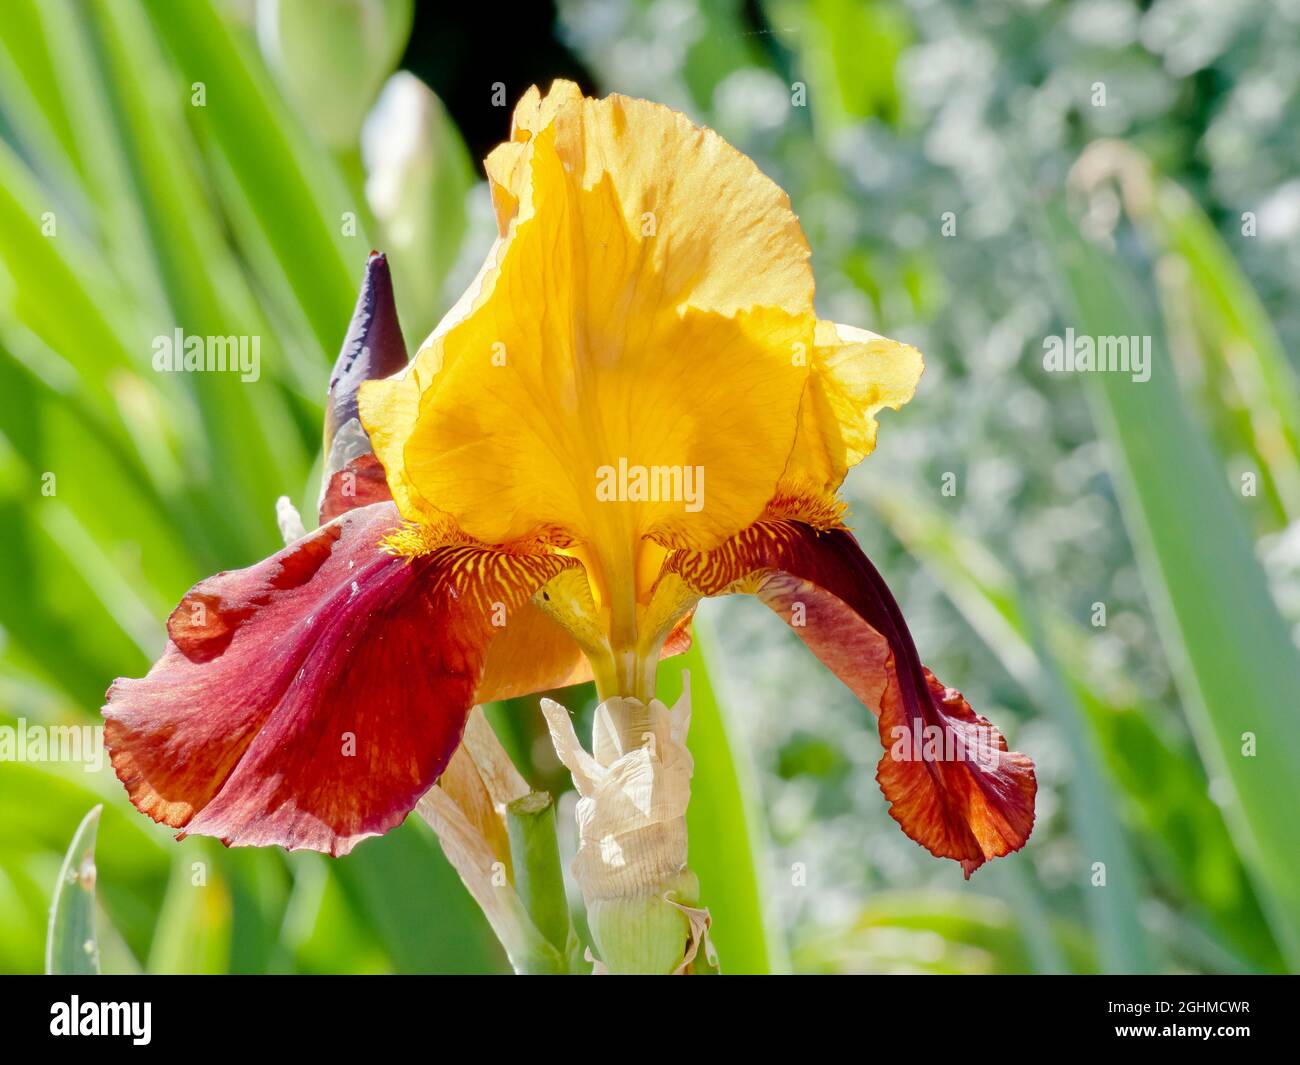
71,946
301,202
1232,657
193,934
1251,377
205,290
412,902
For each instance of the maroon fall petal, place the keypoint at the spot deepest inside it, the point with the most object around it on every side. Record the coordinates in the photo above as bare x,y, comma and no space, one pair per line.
951,782
359,483
310,700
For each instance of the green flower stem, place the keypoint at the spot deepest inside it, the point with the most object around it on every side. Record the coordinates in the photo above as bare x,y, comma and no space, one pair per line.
538,876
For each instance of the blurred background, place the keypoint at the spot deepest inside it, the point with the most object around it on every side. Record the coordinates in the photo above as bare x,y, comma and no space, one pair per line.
1110,570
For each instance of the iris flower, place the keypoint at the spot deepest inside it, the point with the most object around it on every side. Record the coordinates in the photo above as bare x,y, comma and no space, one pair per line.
633,407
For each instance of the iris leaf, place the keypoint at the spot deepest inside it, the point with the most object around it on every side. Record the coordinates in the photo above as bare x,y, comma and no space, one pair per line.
71,947
1232,657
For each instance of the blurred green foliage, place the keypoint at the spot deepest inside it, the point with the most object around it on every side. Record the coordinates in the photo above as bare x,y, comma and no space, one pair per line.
224,166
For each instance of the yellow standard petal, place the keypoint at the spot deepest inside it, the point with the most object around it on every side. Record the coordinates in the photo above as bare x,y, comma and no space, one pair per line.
725,237
637,367
632,363
578,398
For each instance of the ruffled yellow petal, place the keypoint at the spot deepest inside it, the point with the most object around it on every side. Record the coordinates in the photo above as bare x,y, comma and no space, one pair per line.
700,214
855,375
507,163
725,237
638,366
574,374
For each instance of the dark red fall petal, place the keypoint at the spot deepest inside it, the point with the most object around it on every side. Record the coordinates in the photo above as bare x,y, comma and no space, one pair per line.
373,348
951,782
359,483
313,698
